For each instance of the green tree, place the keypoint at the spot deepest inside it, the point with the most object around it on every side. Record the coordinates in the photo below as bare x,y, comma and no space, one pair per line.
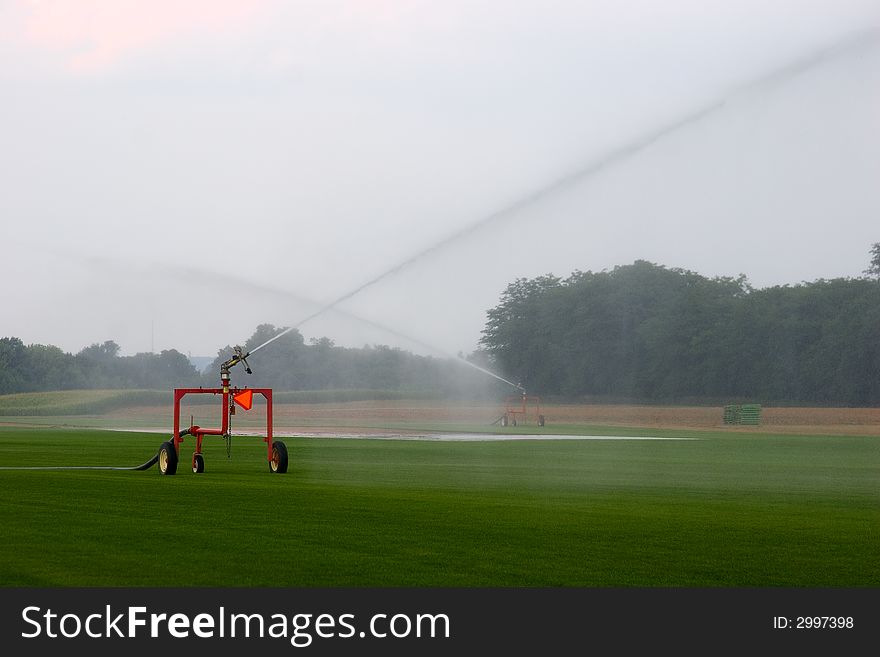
13,362
646,332
49,368
99,364
873,269
515,329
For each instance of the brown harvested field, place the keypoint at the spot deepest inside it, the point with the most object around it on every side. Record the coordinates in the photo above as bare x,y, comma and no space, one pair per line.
365,416
861,421
790,420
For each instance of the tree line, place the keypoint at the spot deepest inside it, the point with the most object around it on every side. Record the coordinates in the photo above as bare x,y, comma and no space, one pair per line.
40,368
644,332
290,364
640,332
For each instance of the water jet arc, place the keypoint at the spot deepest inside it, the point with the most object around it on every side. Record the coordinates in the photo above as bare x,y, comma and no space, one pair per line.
594,167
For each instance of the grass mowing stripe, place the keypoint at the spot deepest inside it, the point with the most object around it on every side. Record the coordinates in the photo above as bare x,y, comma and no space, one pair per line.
725,511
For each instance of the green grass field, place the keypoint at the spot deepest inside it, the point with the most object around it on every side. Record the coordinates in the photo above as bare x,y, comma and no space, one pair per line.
725,510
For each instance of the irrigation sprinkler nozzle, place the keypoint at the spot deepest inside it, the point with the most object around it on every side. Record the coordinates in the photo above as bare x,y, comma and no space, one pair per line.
239,357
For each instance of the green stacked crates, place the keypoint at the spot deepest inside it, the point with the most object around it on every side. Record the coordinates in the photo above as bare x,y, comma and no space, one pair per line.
748,414
731,414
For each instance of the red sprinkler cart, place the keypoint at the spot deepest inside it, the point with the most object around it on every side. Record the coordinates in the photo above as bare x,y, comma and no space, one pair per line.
169,451
517,410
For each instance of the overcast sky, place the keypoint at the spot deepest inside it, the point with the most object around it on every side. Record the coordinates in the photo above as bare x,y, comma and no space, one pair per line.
174,173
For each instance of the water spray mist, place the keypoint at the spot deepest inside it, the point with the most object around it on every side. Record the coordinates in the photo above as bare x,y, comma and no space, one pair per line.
595,167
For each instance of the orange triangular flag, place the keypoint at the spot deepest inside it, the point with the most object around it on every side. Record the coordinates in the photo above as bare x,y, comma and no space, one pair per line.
245,399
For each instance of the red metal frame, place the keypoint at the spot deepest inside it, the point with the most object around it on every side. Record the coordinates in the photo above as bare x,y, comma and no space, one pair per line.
227,395
518,405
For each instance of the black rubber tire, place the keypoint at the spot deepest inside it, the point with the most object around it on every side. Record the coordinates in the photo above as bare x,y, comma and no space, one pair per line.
540,420
167,458
513,421
279,457
198,463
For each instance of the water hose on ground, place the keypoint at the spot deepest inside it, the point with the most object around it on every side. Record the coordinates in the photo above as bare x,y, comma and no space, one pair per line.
143,466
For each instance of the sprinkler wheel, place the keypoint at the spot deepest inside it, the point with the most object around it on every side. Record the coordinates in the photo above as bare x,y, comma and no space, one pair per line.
198,463
279,457
167,458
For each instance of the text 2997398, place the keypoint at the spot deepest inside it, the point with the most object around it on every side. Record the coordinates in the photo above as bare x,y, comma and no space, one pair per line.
813,623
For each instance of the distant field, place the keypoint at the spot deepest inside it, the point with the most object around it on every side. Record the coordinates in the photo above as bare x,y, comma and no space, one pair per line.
96,402
728,509
379,411
76,402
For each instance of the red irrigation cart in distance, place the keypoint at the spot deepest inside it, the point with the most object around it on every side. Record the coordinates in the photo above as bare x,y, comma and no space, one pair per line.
517,408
